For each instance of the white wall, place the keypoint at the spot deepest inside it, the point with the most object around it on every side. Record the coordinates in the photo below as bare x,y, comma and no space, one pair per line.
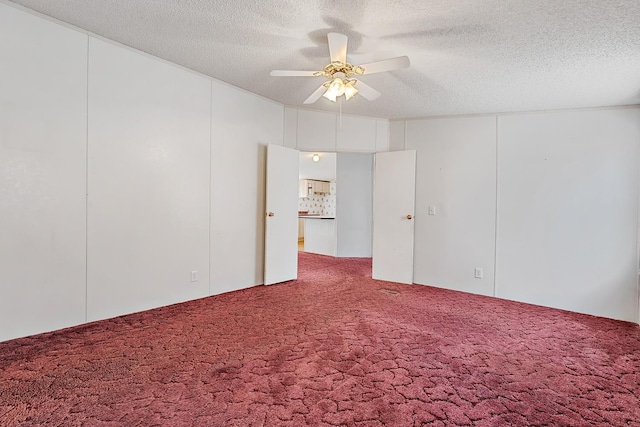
176,183
316,131
568,210
397,135
567,207
242,125
290,130
163,144
43,95
456,174
354,205
308,130
382,136
322,170
148,182
356,134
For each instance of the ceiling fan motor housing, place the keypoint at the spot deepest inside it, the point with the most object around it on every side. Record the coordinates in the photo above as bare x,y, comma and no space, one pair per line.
340,67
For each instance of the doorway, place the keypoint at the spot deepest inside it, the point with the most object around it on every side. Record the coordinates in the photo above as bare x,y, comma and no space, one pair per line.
317,203
351,232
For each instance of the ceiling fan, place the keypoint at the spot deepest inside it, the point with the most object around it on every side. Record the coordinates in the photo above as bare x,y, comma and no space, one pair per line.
341,75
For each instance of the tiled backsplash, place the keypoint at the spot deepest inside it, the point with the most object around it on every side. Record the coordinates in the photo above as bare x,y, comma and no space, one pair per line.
321,204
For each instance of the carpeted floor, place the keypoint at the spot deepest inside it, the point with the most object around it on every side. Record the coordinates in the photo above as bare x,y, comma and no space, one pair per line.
333,348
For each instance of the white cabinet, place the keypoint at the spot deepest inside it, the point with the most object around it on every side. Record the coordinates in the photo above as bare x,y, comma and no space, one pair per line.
303,188
321,187
320,236
309,187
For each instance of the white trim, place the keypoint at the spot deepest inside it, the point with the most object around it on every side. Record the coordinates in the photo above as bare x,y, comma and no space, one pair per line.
511,113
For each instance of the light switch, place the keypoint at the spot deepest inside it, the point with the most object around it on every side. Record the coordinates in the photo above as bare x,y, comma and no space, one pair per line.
432,210
194,276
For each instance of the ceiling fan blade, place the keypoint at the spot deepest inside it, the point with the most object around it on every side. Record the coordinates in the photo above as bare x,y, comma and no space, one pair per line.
386,65
337,47
291,73
367,91
315,95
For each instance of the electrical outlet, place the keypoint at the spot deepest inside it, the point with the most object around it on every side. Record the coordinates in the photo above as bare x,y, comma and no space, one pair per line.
478,273
194,276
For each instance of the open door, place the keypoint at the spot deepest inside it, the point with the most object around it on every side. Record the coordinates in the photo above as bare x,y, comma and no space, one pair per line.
281,223
393,212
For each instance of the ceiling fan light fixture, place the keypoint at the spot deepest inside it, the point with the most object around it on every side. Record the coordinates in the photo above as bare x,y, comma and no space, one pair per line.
350,89
336,89
339,73
330,96
338,85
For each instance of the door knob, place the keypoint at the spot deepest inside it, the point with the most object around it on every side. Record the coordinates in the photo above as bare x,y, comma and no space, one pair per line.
270,214
409,217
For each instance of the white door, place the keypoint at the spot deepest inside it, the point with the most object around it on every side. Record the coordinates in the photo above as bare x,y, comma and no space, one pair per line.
393,212
281,227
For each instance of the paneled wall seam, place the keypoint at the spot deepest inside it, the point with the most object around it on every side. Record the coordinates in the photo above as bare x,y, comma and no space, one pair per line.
297,115
557,246
338,127
388,136
210,175
86,199
638,239
495,245
404,136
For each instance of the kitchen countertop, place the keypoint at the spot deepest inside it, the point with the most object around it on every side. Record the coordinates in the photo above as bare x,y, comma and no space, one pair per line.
317,216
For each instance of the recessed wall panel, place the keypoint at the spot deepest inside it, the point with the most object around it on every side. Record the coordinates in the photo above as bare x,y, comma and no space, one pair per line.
242,125
43,93
356,134
397,135
316,131
382,135
149,178
568,198
455,202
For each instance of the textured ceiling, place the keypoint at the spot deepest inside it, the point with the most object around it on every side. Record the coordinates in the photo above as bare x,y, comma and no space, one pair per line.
467,56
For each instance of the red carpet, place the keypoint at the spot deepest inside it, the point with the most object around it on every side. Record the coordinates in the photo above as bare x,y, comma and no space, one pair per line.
331,349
